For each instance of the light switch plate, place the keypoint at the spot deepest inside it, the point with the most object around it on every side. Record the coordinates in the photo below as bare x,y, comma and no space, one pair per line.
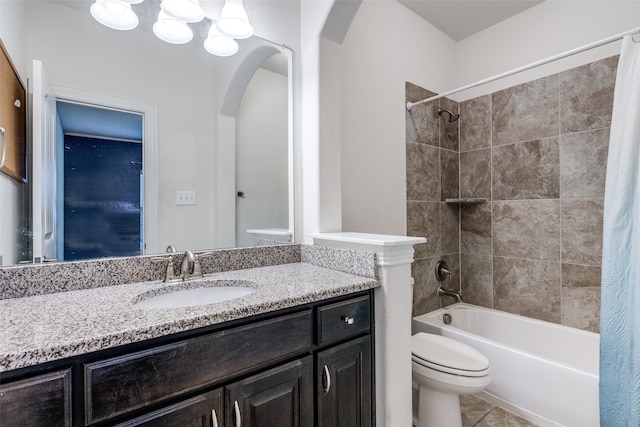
184,198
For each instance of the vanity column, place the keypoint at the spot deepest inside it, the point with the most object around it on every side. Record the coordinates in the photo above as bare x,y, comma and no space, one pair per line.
393,302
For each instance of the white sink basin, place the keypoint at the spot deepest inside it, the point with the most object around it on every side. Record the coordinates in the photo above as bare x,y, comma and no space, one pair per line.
200,294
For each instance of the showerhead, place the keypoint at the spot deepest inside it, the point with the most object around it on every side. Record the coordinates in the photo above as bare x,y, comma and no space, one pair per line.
452,116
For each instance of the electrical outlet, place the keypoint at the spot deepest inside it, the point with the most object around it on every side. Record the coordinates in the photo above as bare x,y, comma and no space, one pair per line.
185,198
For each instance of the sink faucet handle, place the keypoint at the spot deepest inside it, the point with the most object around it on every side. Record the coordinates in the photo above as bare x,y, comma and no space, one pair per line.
170,273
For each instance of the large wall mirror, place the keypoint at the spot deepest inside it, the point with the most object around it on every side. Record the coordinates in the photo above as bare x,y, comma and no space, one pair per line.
196,149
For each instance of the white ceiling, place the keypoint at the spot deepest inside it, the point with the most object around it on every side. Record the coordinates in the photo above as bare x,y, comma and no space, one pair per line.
462,18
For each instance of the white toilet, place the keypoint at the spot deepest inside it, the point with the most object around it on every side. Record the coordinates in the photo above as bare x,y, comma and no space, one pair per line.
444,369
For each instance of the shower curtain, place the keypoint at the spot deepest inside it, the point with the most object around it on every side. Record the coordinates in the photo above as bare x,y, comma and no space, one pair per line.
620,304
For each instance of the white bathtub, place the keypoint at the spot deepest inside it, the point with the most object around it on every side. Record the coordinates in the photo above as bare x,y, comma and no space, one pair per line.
544,372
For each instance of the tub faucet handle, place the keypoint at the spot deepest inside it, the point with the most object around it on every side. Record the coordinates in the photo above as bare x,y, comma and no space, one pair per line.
442,271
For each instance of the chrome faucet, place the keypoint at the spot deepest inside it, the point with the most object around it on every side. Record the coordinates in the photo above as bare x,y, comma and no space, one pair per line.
442,273
190,268
443,292
170,274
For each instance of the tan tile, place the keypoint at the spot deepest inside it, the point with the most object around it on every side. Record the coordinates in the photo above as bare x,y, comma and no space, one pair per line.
449,228
582,231
425,285
475,229
475,123
498,417
526,170
449,130
583,163
586,95
423,220
449,167
475,173
581,297
476,279
526,112
473,409
527,229
527,287
423,172
422,122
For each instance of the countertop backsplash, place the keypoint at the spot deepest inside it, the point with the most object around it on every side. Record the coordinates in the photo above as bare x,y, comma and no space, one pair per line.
39,279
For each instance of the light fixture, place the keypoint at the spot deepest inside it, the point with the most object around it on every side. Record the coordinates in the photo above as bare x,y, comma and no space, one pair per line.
220,44
184,10
172,30
115,14
234,21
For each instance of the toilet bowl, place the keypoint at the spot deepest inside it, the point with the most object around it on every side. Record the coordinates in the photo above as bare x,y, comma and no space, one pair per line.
444,369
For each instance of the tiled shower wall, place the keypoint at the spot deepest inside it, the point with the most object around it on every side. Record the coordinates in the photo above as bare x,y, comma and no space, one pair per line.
537,152
432,177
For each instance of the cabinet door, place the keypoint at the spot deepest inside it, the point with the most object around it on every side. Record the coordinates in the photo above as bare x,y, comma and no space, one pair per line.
44,401
204,410
279,397
344,386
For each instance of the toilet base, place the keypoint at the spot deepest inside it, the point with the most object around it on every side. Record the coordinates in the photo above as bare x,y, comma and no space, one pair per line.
438,409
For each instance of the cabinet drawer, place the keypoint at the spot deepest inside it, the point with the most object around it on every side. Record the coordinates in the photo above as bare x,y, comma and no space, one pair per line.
118,385
198,411
343,319
44,400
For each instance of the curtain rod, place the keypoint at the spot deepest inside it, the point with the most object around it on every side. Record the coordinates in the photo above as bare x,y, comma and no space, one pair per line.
589,46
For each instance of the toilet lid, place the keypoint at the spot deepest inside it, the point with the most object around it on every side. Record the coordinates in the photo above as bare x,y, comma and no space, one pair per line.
447,355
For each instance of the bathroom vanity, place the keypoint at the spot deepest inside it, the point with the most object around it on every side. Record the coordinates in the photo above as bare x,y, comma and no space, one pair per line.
297,352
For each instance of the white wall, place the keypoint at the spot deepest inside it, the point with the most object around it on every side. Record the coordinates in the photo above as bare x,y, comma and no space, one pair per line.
79,52
550,28
262,155
386,46
13,34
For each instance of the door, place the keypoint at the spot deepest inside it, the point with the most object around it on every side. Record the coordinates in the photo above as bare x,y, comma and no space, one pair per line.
279,397
43,181
344,385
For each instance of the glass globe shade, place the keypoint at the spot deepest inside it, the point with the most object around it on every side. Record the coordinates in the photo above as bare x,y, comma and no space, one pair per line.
234,21
114,14
184,10
219,44
172,30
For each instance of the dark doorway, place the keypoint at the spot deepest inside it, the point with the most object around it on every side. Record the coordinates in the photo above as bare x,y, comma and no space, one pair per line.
102,198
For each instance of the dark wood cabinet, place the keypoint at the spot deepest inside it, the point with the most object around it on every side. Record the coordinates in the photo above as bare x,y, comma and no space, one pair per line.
43,400
205,410
344,392
121,384
266,371
280,397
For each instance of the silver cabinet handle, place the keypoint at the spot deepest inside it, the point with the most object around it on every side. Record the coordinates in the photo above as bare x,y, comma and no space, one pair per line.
3,155
348,320
214,418
236,408
327,380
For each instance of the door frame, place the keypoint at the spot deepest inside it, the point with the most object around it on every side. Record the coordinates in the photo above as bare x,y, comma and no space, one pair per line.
149,111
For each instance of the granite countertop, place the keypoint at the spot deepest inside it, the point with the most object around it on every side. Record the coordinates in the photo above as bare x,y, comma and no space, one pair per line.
42,328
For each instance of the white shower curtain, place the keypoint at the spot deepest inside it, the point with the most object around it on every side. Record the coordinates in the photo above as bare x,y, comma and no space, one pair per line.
620,304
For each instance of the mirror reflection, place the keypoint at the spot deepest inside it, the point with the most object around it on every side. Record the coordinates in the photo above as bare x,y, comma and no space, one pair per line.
145,144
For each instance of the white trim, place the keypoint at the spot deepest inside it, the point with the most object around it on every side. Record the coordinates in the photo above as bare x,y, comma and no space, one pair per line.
149,147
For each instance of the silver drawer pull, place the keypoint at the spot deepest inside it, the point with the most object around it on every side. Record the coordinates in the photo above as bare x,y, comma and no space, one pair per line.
348,320
327,380
3,153
236,408
214,418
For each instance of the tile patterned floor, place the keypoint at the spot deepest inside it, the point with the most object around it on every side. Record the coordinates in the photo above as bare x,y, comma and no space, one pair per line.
479,413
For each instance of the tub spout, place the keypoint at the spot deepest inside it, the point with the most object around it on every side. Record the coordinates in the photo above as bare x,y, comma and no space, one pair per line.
443,292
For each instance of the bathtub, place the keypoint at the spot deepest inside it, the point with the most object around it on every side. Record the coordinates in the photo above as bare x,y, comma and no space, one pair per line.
543,372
